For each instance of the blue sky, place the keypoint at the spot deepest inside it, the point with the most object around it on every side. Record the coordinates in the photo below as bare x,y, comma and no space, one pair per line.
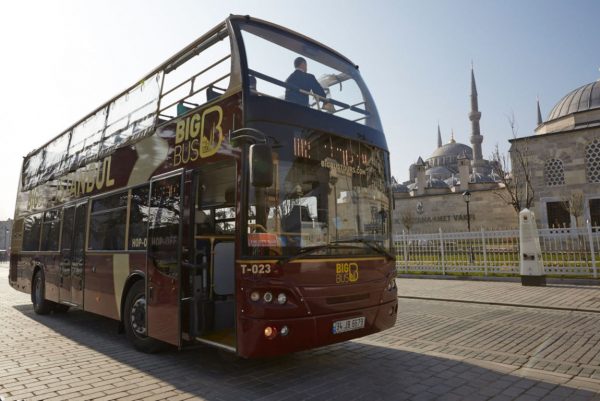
61,59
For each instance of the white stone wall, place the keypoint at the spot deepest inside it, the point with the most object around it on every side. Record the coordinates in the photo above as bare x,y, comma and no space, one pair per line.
429,213
569,147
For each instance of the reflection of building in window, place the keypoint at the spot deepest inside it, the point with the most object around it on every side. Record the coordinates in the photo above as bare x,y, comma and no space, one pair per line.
138,219
31,233
554,172
557,214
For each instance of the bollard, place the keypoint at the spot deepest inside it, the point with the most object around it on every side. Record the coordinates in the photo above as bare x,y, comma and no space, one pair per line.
531,265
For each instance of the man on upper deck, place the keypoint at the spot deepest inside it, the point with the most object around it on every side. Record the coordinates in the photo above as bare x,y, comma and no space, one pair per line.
300,79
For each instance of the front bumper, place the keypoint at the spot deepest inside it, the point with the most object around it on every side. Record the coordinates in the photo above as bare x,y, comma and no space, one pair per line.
309,332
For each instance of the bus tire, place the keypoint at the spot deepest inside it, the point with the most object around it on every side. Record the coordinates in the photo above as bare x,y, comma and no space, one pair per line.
41,305
134,320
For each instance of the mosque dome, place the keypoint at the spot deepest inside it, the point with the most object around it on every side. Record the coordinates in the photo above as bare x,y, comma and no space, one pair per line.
584,98
453,149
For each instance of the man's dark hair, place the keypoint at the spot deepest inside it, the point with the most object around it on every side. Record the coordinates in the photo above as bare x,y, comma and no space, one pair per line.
298,61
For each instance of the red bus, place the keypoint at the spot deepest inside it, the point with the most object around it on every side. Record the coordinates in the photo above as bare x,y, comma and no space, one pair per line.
218,200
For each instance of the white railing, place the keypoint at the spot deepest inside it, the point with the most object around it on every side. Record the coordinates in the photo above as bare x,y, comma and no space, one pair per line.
565,252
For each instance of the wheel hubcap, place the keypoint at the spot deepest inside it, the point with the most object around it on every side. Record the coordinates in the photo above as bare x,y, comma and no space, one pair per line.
138,317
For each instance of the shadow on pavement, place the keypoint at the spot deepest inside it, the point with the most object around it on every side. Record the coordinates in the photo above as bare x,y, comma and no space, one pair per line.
346,371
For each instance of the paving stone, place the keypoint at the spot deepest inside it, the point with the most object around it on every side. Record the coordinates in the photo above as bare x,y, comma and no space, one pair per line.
437,350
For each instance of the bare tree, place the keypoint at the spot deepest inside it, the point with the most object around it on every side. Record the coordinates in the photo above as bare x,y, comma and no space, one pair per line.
407,219
519,193
574,205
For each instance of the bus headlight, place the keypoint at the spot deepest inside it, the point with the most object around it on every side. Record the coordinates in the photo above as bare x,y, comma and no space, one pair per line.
255,296
281,298
268,297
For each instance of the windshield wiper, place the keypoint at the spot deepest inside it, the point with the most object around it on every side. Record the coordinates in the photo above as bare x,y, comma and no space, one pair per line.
369,243
312,249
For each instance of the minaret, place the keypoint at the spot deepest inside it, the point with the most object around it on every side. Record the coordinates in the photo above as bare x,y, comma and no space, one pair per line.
539,113
476,137
439,137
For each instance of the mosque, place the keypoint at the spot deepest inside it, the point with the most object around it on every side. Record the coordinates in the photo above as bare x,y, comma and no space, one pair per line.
432,198
562,161
442,166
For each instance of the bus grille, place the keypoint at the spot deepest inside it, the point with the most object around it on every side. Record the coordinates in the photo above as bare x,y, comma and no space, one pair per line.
347,298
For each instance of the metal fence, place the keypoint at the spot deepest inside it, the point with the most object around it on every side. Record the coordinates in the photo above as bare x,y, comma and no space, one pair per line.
565,252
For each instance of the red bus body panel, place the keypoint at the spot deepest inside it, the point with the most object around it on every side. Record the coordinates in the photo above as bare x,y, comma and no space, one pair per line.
315,300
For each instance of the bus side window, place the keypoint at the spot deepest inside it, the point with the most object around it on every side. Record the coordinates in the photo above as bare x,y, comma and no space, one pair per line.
31,232
50,230
107,223
138,220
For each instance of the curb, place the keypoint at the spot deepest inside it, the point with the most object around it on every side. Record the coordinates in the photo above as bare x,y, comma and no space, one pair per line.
552,280
465,301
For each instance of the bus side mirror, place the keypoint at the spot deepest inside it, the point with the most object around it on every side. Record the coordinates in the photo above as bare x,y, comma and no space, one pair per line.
261,165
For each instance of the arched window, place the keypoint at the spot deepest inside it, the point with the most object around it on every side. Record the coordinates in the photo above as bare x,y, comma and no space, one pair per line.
592,161
554,172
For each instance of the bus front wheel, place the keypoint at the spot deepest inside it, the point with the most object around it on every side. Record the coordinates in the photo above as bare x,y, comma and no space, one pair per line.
134,319
41,306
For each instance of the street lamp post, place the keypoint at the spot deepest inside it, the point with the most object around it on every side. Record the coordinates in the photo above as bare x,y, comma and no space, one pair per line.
467,198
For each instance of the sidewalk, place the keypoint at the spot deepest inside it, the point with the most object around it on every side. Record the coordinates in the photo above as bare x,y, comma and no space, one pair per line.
583,298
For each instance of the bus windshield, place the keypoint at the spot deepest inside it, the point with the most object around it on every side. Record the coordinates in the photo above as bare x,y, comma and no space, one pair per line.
326,191
270,57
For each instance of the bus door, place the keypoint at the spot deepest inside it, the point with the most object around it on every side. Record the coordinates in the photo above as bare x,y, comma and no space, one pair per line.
72,254
213,280
163,263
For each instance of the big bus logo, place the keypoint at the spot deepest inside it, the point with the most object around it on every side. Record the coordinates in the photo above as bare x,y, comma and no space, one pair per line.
346,273
198,136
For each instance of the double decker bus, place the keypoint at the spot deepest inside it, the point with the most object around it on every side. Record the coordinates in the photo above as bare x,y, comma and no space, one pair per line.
204,205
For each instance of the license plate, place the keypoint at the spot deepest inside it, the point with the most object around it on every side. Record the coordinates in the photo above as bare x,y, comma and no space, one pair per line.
341,326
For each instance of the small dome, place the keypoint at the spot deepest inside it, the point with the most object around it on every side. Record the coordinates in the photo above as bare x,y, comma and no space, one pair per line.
494,176
435,183
439,171
584,98
452,181
481,178
399,188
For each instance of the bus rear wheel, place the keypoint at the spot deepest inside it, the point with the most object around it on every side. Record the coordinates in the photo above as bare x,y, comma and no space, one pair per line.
41,306
134,320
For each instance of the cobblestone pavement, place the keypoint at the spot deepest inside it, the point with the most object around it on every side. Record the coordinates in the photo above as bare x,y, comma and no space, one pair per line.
438,350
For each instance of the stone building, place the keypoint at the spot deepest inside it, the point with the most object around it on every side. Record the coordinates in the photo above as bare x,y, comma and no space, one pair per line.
432,198
563,157
5,234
